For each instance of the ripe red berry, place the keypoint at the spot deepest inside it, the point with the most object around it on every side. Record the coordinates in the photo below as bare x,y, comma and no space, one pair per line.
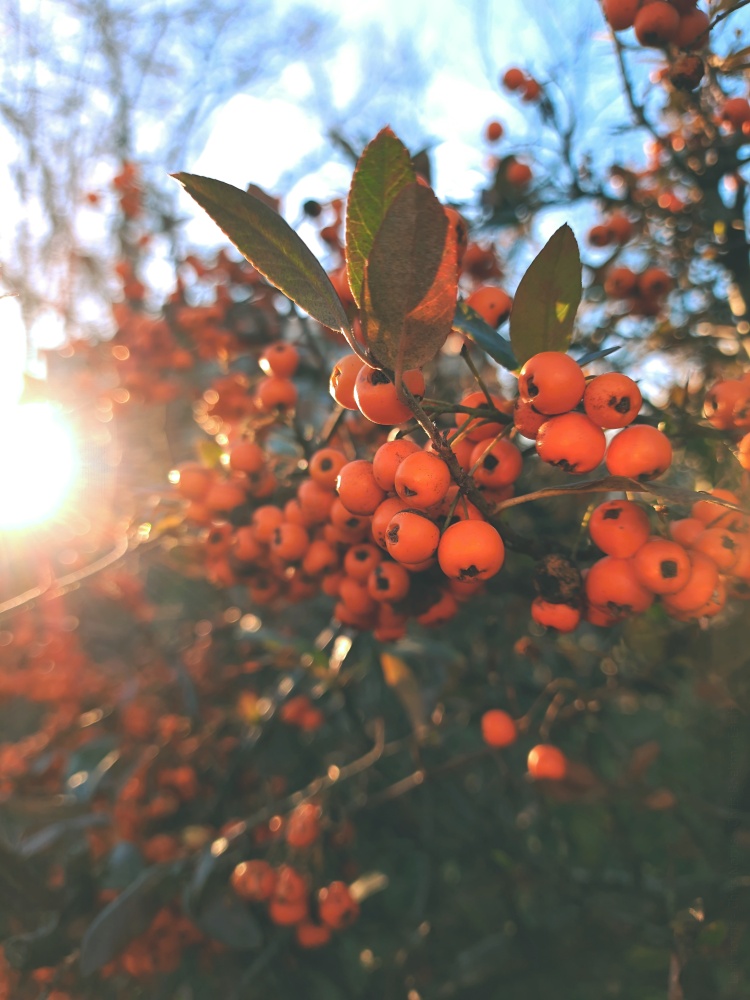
552,381
546,762
498,728
471,550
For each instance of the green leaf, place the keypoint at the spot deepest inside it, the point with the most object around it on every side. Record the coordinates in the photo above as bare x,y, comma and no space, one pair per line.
546,301
271,246
468,322
411,275
383,169
597,355
127,916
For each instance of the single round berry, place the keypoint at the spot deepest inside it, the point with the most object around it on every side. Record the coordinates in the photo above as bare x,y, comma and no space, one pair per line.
422,479
571,442
562,617
377,398
612,400
471,550
498,728
639,452
411,537
619,527
662,566
552,381
547,763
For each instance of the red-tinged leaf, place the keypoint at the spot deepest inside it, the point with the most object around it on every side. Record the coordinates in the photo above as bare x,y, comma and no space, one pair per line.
547,299
429,324
271,246
411,247
383,169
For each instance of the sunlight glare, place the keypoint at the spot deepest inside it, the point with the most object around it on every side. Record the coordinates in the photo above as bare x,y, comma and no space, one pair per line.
39,462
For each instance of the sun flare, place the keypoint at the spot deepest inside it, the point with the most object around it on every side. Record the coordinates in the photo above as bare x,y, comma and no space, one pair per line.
39,461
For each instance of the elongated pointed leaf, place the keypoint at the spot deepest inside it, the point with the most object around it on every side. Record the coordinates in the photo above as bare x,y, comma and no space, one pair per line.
468,322
546,301
412,246
597,355
127,916
271,246
383,169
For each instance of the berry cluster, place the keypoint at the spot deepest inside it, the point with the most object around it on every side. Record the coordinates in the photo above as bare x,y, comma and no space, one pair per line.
285,890
659,23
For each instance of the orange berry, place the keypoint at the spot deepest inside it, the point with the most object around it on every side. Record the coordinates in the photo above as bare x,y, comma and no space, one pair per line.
320,558
325,466
316,501
382,517
546,762
388,581
654,283
480,428
471,550
289,542
311,935
492,303
571,442
722,399
279,359
620,283
620,14
713,513
552,381
376,395
223,496
411,537
265,521
656,24
499,466
361,560
527,419
440,611
703,580
639,452
662,566
735,112
600,236
422,479
194,481
387,459
612,400
619,527
303,826
514,78
693,30
493,131
612,585
518,174
721,546
531,90
337,907
247,456
253,880
274,393
498,728
357,489
343,378
621,226
743,452
352,526
685,530
562,617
